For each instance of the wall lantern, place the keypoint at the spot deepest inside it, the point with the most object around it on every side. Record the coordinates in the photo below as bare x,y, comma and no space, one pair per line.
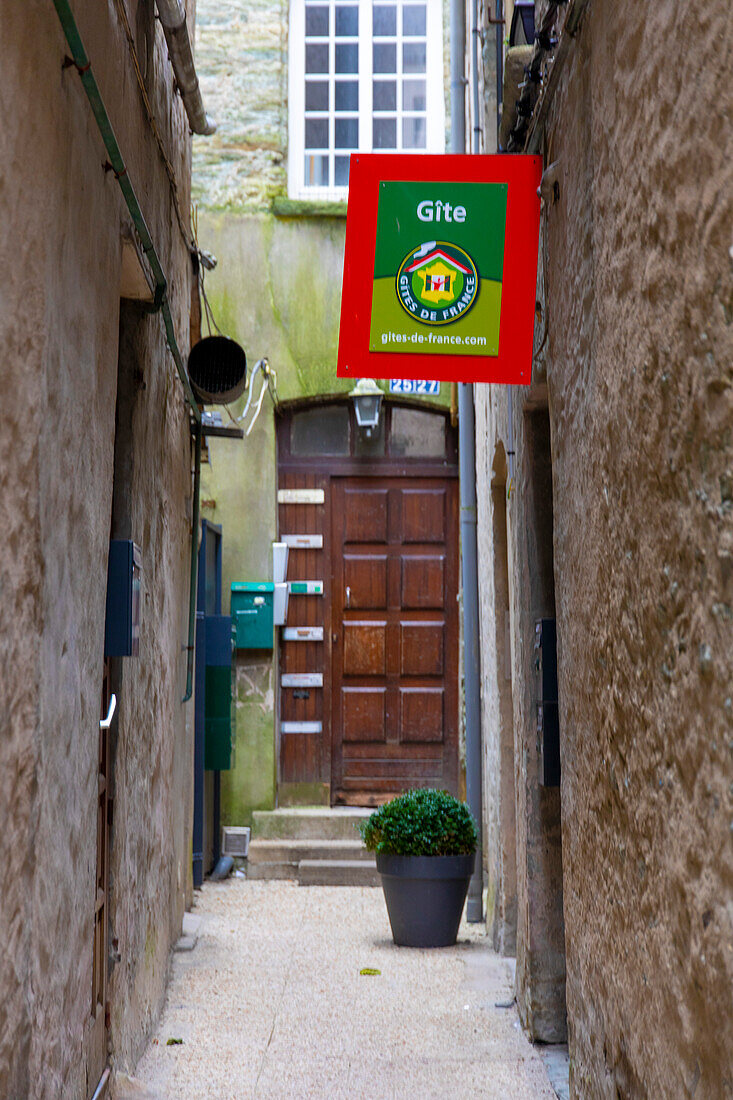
367,398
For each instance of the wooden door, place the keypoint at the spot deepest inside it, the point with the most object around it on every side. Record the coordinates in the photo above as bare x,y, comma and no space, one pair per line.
394,635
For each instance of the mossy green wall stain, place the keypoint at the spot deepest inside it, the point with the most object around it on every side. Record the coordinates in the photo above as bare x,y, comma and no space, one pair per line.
250,785
277,290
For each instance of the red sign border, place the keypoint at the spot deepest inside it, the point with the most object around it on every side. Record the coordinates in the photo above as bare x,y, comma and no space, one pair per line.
513,364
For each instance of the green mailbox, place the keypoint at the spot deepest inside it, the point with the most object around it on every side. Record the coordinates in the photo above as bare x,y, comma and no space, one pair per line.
252,606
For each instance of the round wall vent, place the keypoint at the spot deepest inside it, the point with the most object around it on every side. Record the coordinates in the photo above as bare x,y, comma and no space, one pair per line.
217,370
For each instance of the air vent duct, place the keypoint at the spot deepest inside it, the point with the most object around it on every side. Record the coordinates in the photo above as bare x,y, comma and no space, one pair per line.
217,370
235,841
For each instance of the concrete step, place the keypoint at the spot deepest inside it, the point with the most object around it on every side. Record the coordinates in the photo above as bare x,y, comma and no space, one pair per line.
293,851
275,870
337,872
308,823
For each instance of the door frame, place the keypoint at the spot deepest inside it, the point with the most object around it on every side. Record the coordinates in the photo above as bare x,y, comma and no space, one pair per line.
318,471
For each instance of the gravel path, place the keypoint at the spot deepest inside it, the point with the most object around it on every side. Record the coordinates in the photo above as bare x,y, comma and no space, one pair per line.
271,1005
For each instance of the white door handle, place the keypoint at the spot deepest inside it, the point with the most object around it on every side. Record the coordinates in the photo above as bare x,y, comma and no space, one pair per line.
105,723
348,596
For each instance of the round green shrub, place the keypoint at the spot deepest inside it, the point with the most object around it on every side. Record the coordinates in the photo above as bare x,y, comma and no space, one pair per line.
425,822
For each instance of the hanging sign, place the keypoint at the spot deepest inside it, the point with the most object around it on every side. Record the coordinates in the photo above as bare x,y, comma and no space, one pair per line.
440,268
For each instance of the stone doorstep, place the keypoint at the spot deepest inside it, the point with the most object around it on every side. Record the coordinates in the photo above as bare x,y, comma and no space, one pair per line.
337,872
293,851
189,933
308,823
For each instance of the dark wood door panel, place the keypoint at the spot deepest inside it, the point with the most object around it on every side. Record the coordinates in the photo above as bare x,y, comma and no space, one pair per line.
365,518
363,713
423,515
423,581
421,649
365,581
421,714
364,649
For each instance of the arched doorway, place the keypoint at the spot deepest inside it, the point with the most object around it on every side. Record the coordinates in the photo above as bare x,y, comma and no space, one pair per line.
368,660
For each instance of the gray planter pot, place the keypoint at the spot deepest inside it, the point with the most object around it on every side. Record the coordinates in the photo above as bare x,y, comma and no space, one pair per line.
425,897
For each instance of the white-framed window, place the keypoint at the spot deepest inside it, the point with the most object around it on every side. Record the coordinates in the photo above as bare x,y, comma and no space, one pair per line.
364,76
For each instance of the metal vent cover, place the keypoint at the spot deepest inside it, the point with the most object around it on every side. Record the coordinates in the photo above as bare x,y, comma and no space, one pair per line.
235,840
217,370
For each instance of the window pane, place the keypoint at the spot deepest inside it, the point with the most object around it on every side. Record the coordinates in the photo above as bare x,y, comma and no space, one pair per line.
384,93
341,171
347,133
347,95
365,445
316,95
316,171
316,133
384,133
347,57
316,20
347,22
385,57
316,58
321,431
413,20
417,434
413,57
384,19
413,133
413,95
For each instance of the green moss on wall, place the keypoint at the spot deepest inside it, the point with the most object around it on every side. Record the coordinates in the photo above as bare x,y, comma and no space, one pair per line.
250,785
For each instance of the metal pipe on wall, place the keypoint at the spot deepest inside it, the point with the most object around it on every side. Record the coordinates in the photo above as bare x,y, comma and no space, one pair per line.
475,100
457,76
471,670
466,453
175,28
190,649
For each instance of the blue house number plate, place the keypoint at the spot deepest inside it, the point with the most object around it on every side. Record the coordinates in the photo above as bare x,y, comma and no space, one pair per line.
411,385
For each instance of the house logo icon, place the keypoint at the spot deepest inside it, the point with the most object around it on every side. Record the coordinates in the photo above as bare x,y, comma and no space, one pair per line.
437,283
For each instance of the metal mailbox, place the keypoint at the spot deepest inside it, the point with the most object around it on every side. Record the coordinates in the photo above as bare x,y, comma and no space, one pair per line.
122,623
252,614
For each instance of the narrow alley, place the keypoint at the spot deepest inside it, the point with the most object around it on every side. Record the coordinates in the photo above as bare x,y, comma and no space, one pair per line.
272,1002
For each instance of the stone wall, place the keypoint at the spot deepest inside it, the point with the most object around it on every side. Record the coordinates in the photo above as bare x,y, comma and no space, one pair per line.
638,302
60,320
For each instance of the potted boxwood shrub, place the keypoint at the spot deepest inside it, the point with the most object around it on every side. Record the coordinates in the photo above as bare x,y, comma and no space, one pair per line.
425,844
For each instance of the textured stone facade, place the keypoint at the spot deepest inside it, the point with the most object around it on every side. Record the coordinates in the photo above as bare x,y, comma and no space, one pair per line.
73,355
626,437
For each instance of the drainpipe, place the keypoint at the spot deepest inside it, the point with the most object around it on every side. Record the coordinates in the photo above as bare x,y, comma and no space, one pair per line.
457,77
466,453
475,55
175,28
190,648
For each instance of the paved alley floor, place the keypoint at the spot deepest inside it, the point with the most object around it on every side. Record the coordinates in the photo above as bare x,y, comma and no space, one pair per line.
271,1004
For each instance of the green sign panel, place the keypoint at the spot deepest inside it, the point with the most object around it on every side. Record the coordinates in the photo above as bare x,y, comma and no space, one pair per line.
438,267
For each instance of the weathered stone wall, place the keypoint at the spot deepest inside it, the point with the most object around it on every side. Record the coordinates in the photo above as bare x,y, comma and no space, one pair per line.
638,301
59,317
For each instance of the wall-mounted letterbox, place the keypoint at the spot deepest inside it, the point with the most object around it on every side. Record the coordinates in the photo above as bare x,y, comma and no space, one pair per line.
252,614
219,707
122,624
548,725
